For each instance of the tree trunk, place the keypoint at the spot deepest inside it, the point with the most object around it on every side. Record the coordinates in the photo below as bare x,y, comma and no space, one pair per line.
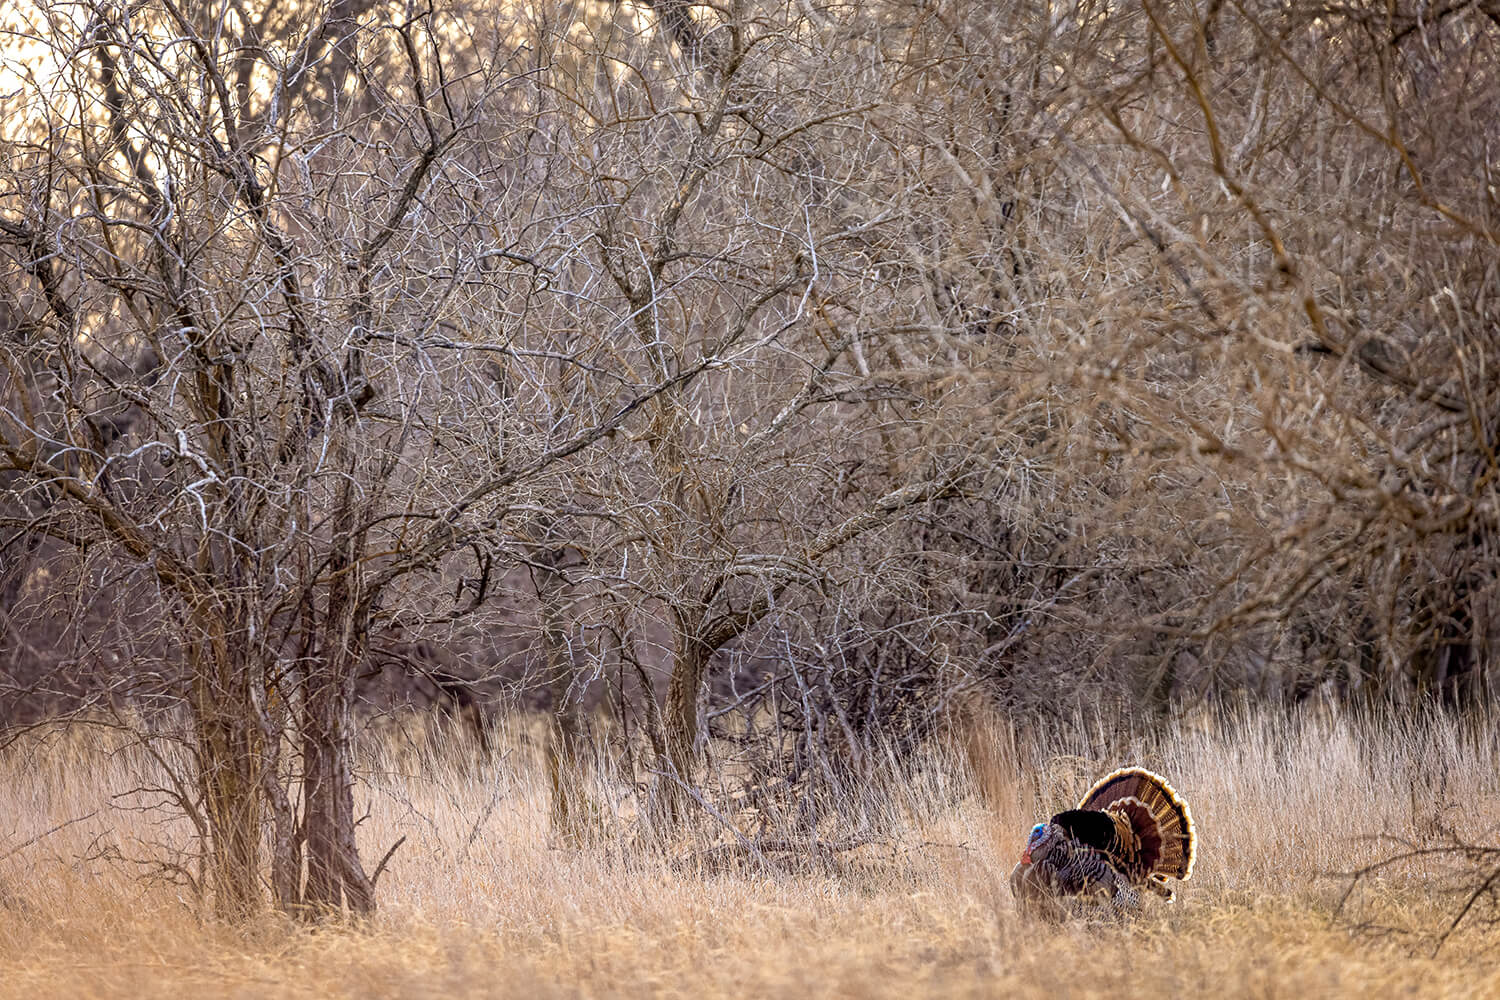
335,876
572,810
286,846
682,725
228,762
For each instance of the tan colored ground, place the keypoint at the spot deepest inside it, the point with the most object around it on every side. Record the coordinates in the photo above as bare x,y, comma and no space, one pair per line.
510,914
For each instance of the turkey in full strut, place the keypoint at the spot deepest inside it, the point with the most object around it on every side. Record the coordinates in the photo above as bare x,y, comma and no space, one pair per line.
1130,832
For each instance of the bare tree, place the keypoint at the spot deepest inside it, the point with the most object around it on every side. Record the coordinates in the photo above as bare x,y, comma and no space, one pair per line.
237,374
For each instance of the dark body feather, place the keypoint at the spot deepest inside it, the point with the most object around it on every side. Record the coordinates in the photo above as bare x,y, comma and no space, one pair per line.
1089,827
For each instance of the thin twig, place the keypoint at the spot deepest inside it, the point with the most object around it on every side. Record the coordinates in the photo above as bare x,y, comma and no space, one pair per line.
45,834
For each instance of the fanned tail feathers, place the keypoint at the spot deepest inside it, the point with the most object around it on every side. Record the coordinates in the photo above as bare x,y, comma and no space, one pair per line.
1152,821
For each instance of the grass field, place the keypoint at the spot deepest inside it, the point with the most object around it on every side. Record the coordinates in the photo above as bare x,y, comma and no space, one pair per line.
480,900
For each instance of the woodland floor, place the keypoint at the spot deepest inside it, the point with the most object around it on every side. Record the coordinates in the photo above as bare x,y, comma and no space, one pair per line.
481,901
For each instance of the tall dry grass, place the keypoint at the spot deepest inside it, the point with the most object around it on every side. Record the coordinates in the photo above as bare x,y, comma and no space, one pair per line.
481,900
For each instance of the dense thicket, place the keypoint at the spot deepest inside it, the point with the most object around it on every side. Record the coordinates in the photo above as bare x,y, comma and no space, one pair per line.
789,373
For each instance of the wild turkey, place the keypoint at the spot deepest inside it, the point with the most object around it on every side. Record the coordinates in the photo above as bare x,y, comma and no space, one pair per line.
1131,831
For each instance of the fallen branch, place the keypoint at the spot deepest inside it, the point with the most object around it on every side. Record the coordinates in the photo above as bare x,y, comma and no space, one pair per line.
697,797
383,861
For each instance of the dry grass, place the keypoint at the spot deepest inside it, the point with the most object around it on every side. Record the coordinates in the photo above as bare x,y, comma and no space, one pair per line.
482,902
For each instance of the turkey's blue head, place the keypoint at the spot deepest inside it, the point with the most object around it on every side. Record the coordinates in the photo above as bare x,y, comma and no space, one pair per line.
1038,832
